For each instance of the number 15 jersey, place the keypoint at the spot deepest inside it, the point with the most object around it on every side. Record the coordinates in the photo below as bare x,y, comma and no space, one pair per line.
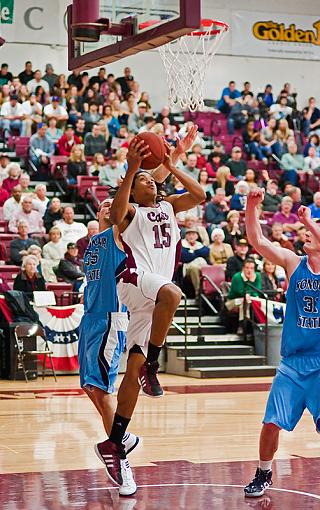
152,240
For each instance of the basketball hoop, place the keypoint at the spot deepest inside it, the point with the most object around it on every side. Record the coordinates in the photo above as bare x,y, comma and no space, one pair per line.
186,61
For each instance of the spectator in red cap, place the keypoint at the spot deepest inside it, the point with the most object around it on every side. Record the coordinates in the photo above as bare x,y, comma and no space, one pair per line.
67,141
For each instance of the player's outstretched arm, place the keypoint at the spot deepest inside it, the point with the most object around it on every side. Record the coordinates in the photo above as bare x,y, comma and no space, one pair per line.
121,208
195,194
280,256
304,215
161,173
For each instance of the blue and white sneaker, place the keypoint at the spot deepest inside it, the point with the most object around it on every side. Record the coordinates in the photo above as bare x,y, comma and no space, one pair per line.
258,486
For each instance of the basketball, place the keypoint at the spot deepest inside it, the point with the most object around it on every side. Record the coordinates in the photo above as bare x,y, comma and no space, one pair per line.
157,148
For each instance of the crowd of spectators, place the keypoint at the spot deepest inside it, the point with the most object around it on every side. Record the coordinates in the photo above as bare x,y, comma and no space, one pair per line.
91,120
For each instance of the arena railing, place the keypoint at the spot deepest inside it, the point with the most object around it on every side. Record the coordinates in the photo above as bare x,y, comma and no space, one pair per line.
184,330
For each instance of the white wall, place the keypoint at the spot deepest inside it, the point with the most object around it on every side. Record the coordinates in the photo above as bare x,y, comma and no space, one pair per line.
49,45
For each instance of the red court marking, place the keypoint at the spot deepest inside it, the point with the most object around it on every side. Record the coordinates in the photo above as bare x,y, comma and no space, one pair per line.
186,389
47,393
166,486
219,388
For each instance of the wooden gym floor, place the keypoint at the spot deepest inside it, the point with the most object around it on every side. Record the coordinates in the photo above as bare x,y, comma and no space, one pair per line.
199,449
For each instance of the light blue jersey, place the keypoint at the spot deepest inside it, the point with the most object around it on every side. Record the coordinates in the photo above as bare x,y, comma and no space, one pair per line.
301,328
102,332
103,261
296,385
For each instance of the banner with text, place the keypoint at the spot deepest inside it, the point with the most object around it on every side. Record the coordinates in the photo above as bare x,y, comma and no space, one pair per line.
275,35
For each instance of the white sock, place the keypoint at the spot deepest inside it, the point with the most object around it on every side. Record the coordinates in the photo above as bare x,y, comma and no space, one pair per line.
265,465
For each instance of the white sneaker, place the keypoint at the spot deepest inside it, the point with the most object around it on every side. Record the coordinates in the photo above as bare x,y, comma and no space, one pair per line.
128,487
130,442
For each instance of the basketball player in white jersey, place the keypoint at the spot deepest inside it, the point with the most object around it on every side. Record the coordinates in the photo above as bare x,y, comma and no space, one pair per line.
151,239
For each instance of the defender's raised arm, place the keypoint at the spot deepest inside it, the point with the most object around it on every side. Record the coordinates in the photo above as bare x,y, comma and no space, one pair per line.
280,256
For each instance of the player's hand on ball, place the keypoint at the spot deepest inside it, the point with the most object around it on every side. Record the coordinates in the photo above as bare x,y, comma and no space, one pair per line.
304,214
255,197
138,151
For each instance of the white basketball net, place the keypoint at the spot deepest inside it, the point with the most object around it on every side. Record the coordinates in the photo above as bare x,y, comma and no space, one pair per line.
186,61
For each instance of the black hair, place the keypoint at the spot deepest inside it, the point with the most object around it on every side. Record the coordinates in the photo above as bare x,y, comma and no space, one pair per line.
160,190
250,260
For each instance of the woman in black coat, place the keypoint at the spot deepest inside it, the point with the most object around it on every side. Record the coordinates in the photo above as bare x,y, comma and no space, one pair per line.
29,280
70,268
53,213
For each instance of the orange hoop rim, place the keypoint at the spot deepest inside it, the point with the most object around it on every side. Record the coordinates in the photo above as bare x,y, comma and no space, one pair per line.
223,27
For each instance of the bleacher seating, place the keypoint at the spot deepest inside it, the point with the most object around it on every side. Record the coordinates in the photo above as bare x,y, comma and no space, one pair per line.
62,291
216,274
85,183
6,239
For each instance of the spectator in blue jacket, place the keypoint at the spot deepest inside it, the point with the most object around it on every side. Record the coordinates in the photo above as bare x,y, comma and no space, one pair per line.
194,256
110,120
239,199
228,97
315,207
41,147
216,210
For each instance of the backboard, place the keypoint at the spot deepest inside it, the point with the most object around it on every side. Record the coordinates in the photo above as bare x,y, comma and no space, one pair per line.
103,31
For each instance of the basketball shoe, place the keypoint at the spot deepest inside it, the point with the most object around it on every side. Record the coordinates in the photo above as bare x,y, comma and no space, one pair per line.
128,487
130,442
261,482
149,381
111,455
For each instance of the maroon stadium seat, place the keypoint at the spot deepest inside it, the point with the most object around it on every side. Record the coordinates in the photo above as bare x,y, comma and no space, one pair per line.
216,273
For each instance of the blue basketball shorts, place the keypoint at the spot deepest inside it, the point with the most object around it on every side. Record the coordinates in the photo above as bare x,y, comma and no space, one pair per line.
291,393
102,340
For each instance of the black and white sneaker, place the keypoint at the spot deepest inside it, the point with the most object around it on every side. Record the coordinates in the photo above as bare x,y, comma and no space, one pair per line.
258,486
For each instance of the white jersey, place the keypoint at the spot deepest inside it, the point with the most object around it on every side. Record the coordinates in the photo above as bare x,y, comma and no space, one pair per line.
152,240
